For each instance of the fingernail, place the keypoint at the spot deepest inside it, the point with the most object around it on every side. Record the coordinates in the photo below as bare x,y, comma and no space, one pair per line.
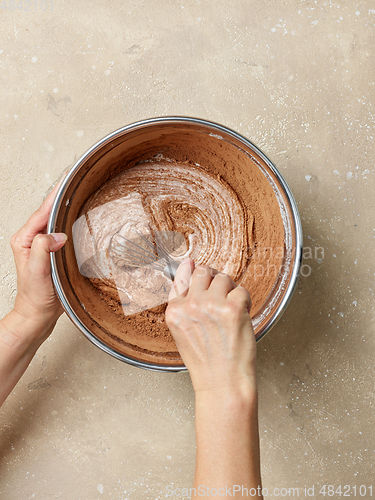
59,237
185,261
202,270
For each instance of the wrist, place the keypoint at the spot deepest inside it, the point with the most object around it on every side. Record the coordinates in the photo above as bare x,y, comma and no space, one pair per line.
239,383
22,334
243,396
20,338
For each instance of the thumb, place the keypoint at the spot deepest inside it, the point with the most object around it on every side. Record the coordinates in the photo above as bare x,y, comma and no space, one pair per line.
42,245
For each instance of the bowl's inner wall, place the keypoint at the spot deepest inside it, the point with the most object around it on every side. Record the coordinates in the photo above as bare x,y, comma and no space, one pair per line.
182,142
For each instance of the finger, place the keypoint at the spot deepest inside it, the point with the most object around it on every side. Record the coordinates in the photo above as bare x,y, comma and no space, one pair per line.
241,296
180,285
39,259
222,284
201,279
37,222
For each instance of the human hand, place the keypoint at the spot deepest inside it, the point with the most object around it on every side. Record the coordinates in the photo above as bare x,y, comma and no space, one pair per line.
36,301
208,316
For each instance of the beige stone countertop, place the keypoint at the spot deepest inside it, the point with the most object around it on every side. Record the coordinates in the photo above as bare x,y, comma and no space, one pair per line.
298,79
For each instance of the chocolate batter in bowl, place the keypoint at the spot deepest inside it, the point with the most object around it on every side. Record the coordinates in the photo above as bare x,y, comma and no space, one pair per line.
203,190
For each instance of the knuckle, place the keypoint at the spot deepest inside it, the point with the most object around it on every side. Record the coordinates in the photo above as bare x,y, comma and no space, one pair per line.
244,296
226,277
39,239
212,307
40,242
173,313
231,308
193,306
14,241
180,286
244,292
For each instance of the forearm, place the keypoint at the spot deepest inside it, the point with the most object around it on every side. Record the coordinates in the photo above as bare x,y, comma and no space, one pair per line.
228,444
19,341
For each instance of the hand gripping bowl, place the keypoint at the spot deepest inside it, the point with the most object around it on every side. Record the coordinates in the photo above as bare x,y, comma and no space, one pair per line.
183,177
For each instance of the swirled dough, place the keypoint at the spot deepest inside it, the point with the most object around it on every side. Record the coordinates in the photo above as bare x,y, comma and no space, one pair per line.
167,200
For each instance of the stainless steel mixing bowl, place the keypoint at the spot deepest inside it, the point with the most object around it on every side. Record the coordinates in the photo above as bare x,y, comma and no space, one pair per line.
104,160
